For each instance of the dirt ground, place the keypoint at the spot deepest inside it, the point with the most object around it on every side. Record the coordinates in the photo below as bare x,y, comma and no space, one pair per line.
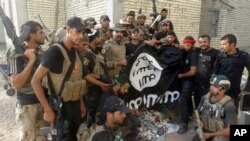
8,127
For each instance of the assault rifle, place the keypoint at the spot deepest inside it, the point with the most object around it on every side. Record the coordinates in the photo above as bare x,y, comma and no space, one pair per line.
198,121
46,29
140,9
11,32
155,15
60,128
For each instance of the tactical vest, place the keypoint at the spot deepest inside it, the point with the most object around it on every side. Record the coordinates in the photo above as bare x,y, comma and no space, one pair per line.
98,68
27,88
114,53
76,86
212,115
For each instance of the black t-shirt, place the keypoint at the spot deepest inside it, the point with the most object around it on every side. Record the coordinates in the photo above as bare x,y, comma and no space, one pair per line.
88,58
131,48
189,59
53,57
232,66
205,66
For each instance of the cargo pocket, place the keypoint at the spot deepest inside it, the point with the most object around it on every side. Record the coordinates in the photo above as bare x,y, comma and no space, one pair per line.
20,113
73,90
67,91
76,93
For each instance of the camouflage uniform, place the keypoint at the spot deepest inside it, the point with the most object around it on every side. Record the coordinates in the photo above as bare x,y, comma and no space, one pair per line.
93,64
29,112
114,52
144,32
105,35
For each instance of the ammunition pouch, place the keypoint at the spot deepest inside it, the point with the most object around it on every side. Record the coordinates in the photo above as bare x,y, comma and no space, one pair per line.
73,90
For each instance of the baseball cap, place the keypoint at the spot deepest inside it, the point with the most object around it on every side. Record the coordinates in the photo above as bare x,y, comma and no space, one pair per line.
166,21
104,17
222,81
90,20
77,23
113,104
141,16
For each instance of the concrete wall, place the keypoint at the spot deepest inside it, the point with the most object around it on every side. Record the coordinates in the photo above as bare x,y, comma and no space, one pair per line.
233,19
46,9
85,8
184,14
2,37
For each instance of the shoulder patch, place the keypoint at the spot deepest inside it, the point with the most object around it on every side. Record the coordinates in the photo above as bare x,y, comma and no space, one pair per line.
85,61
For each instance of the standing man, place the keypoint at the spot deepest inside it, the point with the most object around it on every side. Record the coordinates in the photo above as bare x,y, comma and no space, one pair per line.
231,63
29,112
217,111
59,59
90,22
187,81
143,28
164,15
95,70
207,56
105,32
115,51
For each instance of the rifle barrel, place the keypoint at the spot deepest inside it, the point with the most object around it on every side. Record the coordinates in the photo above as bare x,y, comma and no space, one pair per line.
199,130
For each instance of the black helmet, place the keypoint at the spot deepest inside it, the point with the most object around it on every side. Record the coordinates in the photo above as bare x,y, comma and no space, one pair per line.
222,81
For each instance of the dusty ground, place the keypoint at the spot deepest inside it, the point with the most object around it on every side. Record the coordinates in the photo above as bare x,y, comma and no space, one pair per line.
8,127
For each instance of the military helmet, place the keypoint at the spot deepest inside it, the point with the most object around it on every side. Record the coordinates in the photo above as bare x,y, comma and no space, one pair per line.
222,81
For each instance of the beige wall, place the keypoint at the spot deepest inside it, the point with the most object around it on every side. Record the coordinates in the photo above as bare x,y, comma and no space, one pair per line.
2,37
184,14
46,9
192,17
231,20
85,8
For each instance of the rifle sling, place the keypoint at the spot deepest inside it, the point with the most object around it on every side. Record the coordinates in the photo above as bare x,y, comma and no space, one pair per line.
66,78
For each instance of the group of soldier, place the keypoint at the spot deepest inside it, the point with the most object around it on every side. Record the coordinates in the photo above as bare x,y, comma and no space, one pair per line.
83,71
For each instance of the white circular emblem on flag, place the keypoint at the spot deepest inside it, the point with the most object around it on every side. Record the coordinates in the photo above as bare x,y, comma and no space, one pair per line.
145,72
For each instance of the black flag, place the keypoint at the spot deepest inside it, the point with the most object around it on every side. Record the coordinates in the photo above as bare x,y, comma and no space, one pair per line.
153,77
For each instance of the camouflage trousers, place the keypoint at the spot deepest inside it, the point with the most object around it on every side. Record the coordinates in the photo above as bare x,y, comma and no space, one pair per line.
30,119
